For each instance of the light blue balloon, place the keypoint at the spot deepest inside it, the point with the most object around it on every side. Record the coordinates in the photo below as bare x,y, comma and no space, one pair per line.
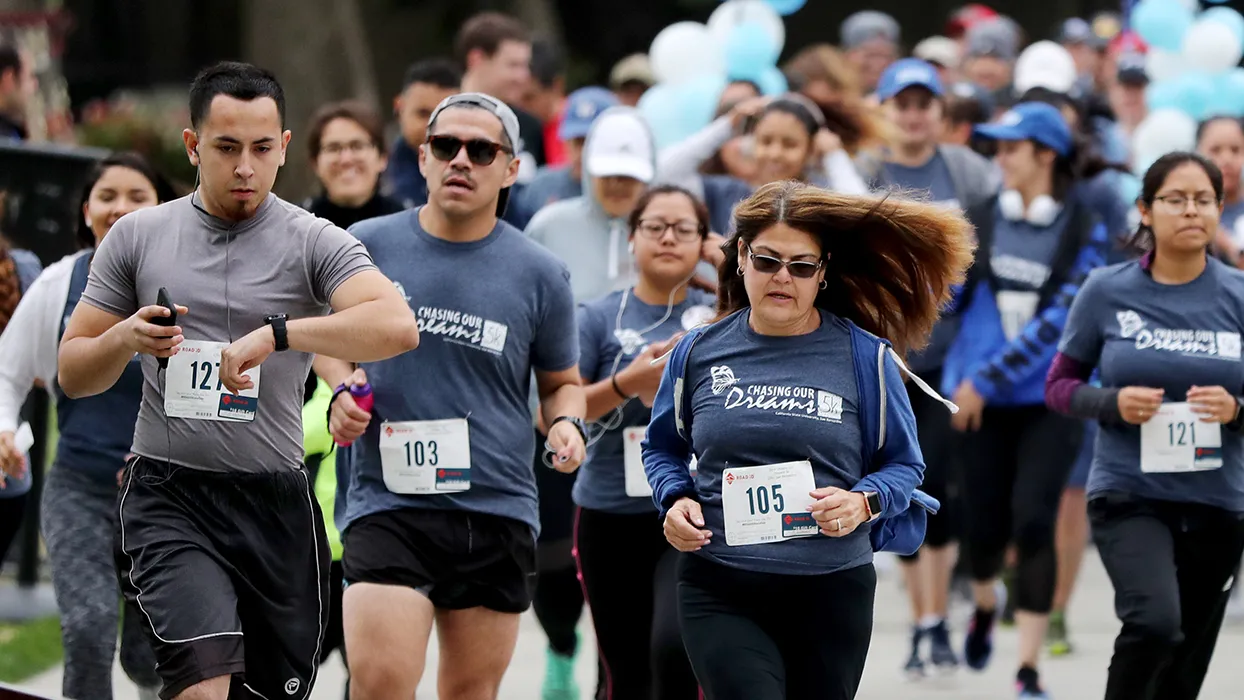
1129,187
750,49
1191,93
699,100
661,108
1161,23
772,82
1227,16
1228,97
786,7
1164,95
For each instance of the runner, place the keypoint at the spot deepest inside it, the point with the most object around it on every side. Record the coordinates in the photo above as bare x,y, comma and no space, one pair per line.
441,508
220,545
1166,492
77,510
1038,240
766,386
626,566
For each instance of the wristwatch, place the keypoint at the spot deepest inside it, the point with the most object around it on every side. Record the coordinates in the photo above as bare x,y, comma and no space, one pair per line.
576,422
872,501
279,334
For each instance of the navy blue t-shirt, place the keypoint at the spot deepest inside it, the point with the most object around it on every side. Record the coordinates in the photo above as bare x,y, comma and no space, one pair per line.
1139,332
489,312
608,342
758,400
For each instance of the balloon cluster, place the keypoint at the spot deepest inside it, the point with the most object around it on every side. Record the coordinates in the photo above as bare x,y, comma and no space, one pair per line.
693,62
1192,64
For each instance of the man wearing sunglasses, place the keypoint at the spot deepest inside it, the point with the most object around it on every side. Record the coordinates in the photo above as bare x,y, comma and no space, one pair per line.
441,515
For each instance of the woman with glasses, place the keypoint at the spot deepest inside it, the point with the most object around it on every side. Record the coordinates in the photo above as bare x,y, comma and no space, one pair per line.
807,460
626,567
77,515
346,143
1038,240
1166,491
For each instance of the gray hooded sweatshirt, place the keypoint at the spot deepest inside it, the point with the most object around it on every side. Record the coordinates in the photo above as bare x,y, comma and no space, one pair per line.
591,243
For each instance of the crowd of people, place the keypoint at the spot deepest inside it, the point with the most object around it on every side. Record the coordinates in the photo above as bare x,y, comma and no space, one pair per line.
521,357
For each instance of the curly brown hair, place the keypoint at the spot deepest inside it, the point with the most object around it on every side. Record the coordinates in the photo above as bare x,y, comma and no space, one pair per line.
892,262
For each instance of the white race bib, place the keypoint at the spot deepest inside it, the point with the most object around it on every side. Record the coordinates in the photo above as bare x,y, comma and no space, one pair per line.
768,503
192,387
637,485
1176,440
426,456
1016,310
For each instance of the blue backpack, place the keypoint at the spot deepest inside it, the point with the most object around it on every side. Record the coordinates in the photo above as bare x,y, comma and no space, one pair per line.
901,531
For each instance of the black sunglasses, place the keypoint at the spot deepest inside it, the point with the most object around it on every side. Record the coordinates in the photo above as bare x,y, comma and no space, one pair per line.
769,265
479,151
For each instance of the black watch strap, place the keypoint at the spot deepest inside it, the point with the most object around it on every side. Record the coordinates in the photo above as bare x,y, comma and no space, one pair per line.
576,422
873,500
279,333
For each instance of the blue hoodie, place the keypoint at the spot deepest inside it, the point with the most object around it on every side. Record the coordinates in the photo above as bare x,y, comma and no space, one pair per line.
1012,373
889,453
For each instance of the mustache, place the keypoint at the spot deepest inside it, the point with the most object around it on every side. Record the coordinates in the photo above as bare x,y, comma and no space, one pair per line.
458,174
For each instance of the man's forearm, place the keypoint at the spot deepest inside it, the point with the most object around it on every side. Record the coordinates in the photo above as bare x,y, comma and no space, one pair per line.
369,332
90,366
334,372
566,400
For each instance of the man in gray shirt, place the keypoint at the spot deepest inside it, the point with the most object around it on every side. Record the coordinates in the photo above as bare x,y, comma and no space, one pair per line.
219,539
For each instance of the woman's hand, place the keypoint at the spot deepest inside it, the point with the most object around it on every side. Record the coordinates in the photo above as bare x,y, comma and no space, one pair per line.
642,378
683,525
12,462
827,142
1137,404
971,407
838,512
1213,404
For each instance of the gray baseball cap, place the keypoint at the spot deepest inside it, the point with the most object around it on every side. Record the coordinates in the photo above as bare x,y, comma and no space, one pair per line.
997,37
499,109
867,25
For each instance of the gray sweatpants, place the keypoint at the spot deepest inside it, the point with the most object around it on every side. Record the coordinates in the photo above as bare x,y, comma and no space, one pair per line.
78,517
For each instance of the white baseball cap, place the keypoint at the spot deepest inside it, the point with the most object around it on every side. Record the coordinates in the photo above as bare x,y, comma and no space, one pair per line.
620,145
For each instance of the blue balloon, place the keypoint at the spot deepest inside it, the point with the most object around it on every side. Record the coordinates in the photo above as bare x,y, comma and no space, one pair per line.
1227,16
750,49
1129,187
772,82
1191,93
1228,97
786,7
699,100
674,112
1161,23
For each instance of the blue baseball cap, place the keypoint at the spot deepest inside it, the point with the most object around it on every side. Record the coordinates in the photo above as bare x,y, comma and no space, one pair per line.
1031,121
908,72
582,108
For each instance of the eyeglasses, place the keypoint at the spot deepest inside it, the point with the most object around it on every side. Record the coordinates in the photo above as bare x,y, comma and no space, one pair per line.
769,265
479,151
355,147
684,231
1178,203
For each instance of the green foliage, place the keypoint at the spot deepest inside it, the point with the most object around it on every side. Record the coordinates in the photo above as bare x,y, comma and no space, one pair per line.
29,648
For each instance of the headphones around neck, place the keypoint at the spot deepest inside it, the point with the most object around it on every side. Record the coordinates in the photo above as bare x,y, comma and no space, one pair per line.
1041,212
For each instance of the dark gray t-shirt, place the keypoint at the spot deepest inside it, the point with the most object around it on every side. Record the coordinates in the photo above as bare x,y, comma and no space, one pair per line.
1139,332
230,277
489,312
608,342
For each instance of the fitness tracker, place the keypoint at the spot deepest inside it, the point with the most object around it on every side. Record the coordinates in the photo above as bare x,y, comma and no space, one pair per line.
279,334
872,501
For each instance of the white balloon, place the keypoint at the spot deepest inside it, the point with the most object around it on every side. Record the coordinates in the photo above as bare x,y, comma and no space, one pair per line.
686,50
1045,64
1161,132
1192,5
1211,47
1163,65
735,12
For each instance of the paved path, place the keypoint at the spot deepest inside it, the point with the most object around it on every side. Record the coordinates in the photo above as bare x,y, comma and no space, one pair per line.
1079,677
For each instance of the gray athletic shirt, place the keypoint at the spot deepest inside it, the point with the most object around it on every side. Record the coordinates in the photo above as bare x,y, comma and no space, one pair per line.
230,277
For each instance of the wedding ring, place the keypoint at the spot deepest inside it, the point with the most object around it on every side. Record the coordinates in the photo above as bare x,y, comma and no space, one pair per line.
837,523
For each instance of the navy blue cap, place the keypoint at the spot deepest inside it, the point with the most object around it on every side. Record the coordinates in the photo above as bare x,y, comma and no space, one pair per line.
1131,69
582,108
1031,121
908,72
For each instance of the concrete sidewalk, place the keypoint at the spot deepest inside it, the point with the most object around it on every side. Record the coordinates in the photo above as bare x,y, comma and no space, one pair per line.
1081,676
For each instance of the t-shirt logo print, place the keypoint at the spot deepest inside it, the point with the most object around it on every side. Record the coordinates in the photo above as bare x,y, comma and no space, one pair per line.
630,340
1130,323
723,378
462,328
1185,341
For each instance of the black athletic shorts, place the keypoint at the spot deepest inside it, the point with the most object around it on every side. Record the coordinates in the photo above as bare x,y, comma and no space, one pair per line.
457,559
210,560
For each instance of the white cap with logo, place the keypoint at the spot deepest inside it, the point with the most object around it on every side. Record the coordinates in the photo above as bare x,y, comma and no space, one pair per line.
620,145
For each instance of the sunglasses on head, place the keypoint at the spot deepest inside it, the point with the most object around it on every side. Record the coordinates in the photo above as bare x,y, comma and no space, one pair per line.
769,265
479,151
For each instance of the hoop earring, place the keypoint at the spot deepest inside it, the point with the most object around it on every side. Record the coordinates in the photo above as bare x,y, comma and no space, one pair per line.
740,271
824,284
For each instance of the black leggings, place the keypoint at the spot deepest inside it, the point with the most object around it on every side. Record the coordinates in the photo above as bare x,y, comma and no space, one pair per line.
1014,471
630,583
938,444
754,636
1171,565
12,510
558,599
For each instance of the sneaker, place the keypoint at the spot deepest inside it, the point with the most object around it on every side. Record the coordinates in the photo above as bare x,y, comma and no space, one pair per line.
978,645
941,653
914,668
1028,685
559,681
1056,640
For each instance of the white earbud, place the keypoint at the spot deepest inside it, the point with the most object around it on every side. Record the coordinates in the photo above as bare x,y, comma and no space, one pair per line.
1041,212
631,247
